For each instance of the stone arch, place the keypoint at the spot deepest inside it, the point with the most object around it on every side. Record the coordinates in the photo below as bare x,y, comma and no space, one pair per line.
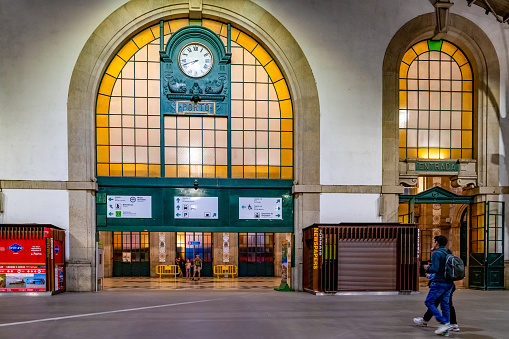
483,58
86,76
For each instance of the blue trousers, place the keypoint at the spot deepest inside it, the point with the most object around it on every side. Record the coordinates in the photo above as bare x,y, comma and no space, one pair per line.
440,291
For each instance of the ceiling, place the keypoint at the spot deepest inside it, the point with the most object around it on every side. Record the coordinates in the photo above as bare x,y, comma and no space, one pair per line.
498,8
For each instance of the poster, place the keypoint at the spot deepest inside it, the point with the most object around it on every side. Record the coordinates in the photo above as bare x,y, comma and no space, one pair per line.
284,263
22,278
162,247
226,247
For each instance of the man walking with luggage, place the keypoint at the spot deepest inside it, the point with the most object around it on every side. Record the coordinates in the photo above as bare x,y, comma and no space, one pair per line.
440,287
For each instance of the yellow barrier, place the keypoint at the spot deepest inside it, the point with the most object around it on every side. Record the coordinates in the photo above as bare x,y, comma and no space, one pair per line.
167,269
225,270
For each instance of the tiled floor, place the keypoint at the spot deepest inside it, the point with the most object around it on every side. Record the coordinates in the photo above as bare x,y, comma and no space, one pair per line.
187,284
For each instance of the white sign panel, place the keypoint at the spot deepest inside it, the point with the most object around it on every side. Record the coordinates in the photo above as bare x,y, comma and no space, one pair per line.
196,208
128,206
260,208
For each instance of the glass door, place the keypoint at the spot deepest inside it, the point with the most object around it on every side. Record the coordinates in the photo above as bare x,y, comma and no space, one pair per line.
131,254
191,243
256,254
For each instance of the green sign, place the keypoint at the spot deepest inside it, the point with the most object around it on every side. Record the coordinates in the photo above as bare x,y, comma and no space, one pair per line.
436,166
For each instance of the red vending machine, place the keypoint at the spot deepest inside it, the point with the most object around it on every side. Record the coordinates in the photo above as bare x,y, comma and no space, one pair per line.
32,258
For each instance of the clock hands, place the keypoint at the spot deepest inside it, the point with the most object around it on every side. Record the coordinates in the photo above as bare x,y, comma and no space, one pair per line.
190,62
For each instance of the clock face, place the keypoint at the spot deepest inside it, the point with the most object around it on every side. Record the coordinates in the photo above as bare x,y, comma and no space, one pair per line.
195,60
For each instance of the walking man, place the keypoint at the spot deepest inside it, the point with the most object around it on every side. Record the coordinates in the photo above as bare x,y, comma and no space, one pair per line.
440,288
197,266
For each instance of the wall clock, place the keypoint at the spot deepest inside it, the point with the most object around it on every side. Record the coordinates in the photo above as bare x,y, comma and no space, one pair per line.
195,60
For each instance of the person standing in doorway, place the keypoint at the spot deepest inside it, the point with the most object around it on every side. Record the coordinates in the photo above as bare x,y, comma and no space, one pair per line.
197,266
188,268
179,264
440,288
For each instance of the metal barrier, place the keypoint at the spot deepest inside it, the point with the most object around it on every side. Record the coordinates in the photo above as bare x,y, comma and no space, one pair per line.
167,269
225,270
360,257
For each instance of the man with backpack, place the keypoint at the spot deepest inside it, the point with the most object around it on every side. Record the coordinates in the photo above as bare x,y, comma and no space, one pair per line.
442,284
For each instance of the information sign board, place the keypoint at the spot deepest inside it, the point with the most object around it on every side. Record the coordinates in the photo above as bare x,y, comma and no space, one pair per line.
260,208
128,206
196,207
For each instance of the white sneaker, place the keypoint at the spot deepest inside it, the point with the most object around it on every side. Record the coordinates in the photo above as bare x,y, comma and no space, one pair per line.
420,322
445,334
455,328
443,328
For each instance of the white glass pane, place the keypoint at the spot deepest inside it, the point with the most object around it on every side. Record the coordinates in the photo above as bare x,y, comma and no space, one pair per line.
445,100
262,140
195,156
183,155
209,156
412,71
115,136
434,85
128,137
262,124
456,101
170,138
445,139
249,91
141,137
249,124
274,157
153,137
127,88
445,119
249,109
434,119
128,71
455,139
434,98
115,120
423,138
412,85
249,157
116,154
249,139
423,100
411,138
445,70
127,105
221,139
423,119
412,119
153,122
115,105
274,139
237,139
434,138
127,121
140,70
128,154
262,157
221,156
237,156
170,155
141,155
182,138
424,85
195,138
413,100
208,138
140,121
153,155
456,120
262,109
153,106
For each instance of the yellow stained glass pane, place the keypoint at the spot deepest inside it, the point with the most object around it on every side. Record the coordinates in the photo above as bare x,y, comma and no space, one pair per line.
237,171
103,154
221,171
466,120
102,136
115,66
467,101
166,28
466,74
141,170
107,84
103,170
170,171
402,138
286,140
129,170
116,170
246,41
209,171
286,173
128,50
409,56
214,26
175,25
143,38
195,171
250,172
286,125
286,109
183,171
460,58
403,71
411,152
402,153
403,84
154,170
466,139
467,85
273,71
282,90
467,154
422,153
286,157
103,104
448,48
101,120
455,153
274,172
421,47
434,153
155,31
445,154
262,172
261,55
235,34
403,100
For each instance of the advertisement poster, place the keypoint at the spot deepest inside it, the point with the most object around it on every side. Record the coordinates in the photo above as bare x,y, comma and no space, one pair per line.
226,247
284,263
260,208
127,206
162,247
22,278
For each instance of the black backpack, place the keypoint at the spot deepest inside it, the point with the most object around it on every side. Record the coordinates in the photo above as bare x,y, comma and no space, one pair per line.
454,267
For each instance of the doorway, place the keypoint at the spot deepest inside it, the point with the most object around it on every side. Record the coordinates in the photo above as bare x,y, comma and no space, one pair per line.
256,254
131,254
191,243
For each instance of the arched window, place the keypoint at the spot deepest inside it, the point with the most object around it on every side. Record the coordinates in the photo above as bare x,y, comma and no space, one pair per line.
435,102
128,117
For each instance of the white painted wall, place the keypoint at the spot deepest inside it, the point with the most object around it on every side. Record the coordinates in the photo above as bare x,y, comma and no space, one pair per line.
41,41
348,207
27,206
345,42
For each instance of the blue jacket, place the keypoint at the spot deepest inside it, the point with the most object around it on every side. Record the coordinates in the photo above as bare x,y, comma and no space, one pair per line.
438,264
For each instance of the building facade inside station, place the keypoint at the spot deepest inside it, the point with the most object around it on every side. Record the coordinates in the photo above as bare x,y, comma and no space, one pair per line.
165,129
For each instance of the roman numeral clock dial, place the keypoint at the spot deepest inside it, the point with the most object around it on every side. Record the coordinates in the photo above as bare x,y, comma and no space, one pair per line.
195,60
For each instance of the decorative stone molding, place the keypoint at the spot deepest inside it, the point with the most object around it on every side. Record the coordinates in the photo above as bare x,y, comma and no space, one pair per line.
467,175
463,171
442,18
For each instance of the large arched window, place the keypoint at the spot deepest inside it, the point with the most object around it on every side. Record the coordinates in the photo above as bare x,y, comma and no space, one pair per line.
128,117
435,102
